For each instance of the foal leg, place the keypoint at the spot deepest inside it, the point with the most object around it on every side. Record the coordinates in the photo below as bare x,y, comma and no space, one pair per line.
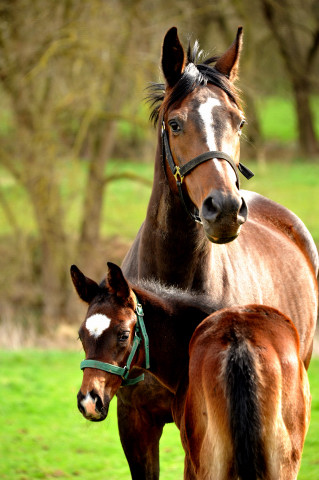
143,411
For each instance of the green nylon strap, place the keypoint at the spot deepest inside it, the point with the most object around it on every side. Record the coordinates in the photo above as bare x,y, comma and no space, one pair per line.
124,371
106,367
140,315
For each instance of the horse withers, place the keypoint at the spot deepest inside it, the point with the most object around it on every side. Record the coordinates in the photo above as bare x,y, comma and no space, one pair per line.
242,405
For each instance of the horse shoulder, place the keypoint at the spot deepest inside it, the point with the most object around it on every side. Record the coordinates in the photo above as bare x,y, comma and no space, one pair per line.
266,212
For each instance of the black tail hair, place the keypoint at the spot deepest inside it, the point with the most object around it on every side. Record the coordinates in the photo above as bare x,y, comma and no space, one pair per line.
244,411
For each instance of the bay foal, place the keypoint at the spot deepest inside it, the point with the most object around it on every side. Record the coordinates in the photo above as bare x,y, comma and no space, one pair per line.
242,406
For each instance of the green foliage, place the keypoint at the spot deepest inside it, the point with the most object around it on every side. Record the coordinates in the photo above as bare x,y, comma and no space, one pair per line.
44,436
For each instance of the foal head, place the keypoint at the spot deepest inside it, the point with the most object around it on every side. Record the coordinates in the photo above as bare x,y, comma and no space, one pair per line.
107,336
200,114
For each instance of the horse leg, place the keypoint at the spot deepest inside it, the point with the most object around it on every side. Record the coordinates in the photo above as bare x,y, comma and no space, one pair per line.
142,414
189,472
140,442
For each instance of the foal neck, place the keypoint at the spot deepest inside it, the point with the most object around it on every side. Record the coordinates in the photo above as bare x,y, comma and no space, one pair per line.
170,323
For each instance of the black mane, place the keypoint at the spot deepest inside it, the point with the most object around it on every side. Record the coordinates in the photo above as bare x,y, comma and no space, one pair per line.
196,73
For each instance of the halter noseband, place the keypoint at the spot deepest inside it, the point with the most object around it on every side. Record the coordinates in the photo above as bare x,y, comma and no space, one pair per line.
179,172
140,334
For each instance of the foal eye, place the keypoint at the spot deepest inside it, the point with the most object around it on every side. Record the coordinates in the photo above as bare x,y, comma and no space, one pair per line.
174,126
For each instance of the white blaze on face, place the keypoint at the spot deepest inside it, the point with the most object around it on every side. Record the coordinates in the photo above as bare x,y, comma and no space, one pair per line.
88,403
96,324
206,114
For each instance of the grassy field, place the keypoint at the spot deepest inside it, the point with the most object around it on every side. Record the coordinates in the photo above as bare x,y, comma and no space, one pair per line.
293,184
43,436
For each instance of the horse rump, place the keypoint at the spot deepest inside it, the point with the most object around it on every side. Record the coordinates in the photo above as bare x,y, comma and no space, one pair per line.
247,408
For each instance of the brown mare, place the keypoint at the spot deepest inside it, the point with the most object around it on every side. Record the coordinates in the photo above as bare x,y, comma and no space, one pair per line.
273,261
243,408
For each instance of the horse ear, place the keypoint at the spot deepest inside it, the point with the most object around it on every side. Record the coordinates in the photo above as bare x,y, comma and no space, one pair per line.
86,288
173,57
228,63
116,282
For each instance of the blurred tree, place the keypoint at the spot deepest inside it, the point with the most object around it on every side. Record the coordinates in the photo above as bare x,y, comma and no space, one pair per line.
71,71
67,70
295,27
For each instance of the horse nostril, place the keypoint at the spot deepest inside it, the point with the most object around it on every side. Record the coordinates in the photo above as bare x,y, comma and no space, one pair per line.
210,209
243,212
219,207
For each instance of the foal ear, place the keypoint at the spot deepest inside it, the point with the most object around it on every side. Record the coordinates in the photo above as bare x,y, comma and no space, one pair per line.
228,63
86,288
173,57
116,282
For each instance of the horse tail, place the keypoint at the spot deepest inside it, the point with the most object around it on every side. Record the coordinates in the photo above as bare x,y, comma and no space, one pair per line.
244,410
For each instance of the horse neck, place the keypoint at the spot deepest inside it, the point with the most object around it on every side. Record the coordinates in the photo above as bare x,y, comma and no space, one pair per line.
169,327
173,246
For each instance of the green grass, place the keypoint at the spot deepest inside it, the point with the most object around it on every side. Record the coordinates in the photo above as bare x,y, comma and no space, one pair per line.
293,184
43,436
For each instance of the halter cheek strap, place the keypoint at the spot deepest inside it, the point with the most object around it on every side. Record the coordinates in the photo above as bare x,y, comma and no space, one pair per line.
179,172
140,334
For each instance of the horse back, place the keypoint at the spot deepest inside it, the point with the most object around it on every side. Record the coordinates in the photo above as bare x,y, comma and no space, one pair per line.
248,404
277,217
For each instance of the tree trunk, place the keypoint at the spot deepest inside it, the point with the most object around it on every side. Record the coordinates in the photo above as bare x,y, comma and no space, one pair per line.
306,132
299,60
45,197
93,197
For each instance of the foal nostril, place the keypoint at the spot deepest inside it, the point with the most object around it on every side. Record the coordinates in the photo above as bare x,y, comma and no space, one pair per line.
92,407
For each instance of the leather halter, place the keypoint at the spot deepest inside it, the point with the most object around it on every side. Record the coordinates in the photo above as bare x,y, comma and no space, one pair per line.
140,334
179,172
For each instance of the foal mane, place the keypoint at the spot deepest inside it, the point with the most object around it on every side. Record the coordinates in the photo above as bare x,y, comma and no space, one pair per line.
198,71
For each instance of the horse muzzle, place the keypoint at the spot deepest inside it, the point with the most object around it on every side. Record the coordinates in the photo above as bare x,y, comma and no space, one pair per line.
92,407
222,216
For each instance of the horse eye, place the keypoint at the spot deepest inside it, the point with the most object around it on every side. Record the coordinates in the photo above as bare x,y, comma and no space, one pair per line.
242,123
123,336
174,126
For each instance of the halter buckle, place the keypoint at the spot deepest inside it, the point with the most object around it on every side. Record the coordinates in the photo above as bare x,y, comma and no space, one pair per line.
125,373
177,174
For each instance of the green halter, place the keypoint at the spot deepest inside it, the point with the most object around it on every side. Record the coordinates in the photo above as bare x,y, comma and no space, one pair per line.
140,334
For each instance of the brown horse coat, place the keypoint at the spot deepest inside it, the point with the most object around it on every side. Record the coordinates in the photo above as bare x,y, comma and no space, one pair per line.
273,261
247,407
242,406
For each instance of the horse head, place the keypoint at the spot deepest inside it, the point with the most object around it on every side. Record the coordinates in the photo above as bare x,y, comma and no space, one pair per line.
107,336
201,122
